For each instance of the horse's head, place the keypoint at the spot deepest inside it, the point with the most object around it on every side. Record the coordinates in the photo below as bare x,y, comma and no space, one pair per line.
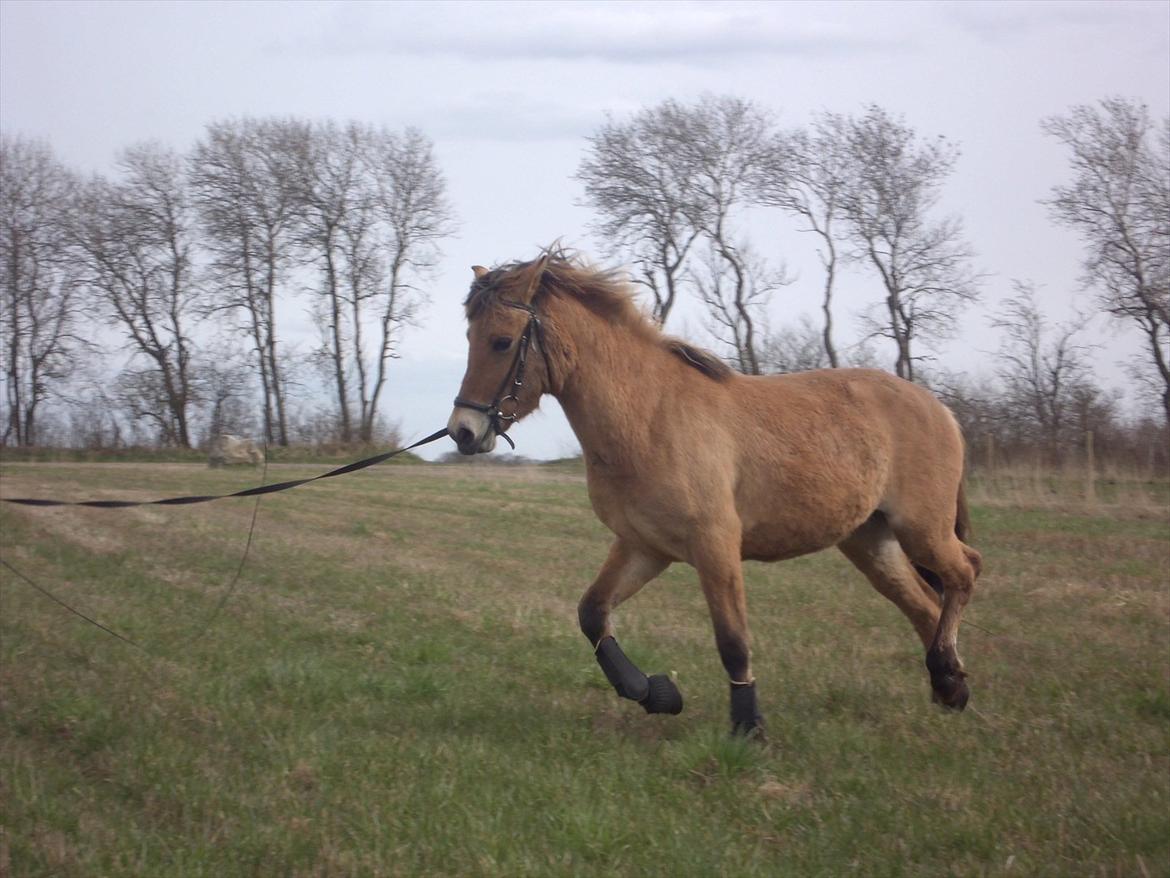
507,370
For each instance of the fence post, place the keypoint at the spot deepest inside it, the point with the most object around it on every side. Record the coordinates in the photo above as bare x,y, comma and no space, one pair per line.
1090,469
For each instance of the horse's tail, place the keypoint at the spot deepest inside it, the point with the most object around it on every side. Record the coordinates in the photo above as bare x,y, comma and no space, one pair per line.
962,515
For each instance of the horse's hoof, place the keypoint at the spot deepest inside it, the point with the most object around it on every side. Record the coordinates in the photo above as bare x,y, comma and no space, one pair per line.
664,696
753,731
947,679
952,693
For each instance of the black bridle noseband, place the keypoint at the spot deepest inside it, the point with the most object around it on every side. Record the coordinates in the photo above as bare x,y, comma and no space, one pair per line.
513,378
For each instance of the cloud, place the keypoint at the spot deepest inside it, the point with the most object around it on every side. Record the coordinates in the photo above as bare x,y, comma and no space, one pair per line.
511,116
635,33
1003,21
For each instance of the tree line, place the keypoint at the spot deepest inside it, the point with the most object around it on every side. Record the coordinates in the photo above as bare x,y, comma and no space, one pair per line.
218,236
175,249
671,183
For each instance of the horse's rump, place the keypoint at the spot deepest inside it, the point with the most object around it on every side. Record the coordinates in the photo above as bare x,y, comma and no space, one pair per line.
817,453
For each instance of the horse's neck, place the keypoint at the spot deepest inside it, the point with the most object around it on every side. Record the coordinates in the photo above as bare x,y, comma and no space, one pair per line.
612,391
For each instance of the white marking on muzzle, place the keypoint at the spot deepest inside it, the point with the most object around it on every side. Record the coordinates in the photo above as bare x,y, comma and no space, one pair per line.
478,424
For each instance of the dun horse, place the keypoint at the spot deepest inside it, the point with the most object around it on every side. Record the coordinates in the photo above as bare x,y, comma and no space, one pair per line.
689,461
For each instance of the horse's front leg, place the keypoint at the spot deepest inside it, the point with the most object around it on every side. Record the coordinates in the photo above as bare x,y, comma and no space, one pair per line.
625,571
720,569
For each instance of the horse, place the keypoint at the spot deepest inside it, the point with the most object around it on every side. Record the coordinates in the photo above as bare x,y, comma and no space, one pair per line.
689,461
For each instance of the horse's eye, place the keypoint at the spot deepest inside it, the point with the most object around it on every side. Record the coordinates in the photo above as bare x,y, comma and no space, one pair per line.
501,344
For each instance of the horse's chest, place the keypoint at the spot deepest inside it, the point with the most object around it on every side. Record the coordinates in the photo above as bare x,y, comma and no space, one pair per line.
646,515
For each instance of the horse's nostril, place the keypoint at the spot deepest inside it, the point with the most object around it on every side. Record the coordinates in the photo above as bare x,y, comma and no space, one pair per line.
464,437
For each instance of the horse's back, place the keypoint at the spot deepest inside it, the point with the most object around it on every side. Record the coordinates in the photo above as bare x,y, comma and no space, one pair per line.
862,407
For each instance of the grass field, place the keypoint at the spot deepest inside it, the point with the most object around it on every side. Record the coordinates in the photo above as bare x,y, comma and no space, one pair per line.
398,687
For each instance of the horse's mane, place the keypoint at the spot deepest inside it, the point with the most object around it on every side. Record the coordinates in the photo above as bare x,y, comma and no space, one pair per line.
605,292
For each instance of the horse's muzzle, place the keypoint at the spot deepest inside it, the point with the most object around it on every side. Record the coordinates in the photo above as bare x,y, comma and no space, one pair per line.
472,431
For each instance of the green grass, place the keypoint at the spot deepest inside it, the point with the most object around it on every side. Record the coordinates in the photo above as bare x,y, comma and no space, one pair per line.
398,687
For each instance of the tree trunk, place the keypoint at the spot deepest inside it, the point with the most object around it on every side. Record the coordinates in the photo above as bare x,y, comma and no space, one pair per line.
751,364
826,304
14,389
365,414
1160,361
255,313
903,366
384,346
338,350
276,388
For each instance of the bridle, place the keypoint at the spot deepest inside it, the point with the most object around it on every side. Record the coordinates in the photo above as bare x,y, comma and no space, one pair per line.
513,378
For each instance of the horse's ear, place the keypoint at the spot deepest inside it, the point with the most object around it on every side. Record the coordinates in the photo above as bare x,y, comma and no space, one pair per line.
479,271
536,272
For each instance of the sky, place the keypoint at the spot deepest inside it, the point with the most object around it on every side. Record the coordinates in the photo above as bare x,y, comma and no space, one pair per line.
508,92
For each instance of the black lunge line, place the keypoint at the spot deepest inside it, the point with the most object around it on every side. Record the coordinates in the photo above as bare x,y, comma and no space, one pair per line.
248,492
180,501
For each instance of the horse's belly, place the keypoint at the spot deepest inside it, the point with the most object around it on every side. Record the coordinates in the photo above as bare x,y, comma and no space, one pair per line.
787,532
770,547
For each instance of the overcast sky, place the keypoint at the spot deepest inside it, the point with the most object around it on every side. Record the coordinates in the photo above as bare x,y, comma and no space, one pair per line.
508,91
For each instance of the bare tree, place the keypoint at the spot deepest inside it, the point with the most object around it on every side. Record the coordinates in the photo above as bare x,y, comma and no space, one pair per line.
135,240
735,301
1043,367
893,182
723,142
40,305
409,199
242,180
362,271
676,173
329,177
1119,201
633,178
374,210
805,173
224,379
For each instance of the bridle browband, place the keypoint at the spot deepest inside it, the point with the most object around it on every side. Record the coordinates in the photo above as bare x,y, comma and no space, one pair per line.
513,378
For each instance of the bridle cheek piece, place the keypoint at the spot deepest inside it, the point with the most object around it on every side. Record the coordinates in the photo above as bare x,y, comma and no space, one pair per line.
513,378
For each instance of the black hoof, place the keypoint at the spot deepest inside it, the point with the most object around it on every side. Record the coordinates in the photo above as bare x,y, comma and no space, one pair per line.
946,679
663,697
951,692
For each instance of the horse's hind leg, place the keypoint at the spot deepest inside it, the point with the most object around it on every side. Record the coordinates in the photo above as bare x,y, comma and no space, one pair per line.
957,565
876,552
622,575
